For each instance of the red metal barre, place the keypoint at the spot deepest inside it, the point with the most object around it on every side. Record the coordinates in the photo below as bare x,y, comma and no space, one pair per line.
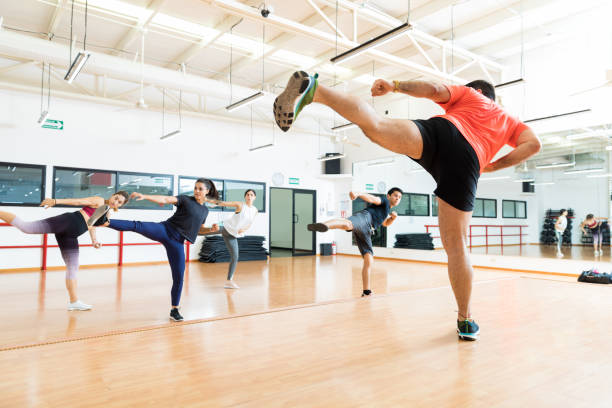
45,246
487,235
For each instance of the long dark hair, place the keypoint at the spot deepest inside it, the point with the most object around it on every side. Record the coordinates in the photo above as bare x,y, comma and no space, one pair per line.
212,190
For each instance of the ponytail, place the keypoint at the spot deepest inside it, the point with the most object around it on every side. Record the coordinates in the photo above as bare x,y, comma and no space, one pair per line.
212,190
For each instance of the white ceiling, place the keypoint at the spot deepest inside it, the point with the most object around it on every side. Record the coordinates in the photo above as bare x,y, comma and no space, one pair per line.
197,33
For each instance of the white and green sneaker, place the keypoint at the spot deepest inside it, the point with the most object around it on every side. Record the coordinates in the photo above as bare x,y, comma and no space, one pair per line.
298,93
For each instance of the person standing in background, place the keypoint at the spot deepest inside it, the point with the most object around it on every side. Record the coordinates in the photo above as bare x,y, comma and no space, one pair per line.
560,227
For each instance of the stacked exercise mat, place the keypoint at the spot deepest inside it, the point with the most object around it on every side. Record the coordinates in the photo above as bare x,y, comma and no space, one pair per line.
251,249
548,236
414,241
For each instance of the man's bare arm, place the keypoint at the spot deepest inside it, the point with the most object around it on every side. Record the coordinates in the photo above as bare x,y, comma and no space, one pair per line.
435,91
527,145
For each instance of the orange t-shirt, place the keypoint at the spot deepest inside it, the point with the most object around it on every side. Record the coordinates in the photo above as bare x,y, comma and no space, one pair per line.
485,125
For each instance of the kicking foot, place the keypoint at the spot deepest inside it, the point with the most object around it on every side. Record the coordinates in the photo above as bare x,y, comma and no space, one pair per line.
298,93
78,305
231,285
175,315
318,227
467,330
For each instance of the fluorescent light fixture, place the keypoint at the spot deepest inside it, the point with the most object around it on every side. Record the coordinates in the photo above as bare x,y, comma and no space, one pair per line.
252,149
546,183
43,117
558,116
583,171
374,42
169,135
77,65
345,126
527,180
509,83
331,157
586,135
494,178
599,175
244,102
382,163
554,165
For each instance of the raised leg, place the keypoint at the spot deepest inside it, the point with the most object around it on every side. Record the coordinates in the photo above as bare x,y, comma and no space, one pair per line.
398,135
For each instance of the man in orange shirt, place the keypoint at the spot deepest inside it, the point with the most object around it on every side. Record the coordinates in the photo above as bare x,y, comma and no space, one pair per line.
455,148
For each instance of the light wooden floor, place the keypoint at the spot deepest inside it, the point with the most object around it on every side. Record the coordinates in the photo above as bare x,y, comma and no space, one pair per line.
544,341
546,251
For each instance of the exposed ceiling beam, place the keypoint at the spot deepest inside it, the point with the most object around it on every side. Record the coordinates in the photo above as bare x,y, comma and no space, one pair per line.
6,70
276,43
134,32
235,7
194,49
479,23
56,18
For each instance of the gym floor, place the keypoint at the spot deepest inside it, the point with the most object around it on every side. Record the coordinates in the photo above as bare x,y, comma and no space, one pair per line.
297,334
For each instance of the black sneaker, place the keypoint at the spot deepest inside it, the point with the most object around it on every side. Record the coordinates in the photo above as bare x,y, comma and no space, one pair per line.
366,293
468,330
175,315
318,227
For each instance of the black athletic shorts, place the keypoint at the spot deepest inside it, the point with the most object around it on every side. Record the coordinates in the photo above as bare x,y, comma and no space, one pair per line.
362,231
451,161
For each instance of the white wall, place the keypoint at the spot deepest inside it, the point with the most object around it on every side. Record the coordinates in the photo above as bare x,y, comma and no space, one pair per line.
101,137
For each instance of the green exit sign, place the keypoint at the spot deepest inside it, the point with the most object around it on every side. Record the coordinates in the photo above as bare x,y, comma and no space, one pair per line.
369,187
294,180
53,124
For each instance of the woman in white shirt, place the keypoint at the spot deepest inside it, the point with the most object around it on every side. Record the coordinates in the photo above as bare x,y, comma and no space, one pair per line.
234,228
560,227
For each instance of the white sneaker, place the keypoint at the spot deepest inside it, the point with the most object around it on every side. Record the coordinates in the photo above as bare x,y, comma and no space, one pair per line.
231,285
600,252
559,255
78,305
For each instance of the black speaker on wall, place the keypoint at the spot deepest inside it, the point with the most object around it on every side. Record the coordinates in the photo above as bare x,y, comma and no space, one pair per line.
528,187
332,166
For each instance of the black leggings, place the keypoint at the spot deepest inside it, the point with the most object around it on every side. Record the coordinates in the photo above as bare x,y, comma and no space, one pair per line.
67,229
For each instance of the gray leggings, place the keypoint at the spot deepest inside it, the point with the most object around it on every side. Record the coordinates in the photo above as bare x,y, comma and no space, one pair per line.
231,242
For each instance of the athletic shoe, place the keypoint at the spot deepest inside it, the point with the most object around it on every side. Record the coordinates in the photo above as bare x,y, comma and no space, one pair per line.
367,294
318,227
78,305
99,213
298,93
468,330
175,315
559,255
231,285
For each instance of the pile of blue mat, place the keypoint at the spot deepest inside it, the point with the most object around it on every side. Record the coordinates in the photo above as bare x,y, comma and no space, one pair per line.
250,249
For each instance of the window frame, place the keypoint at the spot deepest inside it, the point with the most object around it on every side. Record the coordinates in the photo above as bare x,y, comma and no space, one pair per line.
264,184
434,200
407,195
515,202
136,173
215,208
43,184
78,169
483,207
